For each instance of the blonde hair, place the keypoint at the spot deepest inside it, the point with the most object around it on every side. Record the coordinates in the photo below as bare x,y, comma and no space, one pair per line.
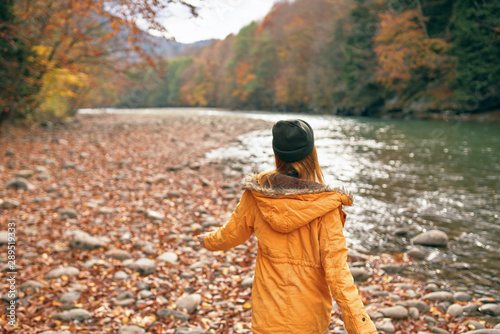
307,169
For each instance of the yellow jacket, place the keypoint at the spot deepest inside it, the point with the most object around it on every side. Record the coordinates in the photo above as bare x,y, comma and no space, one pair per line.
301,256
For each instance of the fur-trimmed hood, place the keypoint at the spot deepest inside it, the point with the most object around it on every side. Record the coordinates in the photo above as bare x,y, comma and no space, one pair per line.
292,203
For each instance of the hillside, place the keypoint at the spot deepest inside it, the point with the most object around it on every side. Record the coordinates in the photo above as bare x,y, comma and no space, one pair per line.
363,57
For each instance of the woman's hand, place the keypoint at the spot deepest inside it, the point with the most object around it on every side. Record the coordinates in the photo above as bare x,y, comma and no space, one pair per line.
201,239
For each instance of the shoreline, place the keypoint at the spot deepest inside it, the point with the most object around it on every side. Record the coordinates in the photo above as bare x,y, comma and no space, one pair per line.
118,202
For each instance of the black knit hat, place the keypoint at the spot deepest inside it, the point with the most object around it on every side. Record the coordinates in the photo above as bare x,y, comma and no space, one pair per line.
293,140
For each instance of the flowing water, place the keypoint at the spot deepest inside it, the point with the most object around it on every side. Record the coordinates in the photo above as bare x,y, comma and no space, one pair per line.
408,177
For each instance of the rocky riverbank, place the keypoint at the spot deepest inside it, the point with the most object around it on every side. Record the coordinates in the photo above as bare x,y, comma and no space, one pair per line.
106,212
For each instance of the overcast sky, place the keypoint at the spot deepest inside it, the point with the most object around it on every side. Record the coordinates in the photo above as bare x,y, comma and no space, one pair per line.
218,18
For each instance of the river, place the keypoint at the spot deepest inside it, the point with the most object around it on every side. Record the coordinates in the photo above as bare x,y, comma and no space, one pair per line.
407,176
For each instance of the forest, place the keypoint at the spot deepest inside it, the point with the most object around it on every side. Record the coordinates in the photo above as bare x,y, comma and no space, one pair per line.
397,58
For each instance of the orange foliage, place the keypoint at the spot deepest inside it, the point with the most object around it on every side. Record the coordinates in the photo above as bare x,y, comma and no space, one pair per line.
402,49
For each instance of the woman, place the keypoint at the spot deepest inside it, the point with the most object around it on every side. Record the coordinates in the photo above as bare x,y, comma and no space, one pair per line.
302,252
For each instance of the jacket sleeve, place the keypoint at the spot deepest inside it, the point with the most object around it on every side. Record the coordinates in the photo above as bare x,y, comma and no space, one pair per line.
237,230
333,250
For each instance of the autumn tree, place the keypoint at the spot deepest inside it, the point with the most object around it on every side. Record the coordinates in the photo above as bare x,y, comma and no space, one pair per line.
408,59
77,36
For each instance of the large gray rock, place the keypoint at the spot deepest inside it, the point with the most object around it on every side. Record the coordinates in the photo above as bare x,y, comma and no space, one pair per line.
189,303
82,240
395,312
439,296
75,314
490,309
484,331
144,266
462,297
455,310
58,272
131,329
435,238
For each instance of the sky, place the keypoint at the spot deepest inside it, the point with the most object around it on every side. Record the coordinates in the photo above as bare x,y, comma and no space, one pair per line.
218,18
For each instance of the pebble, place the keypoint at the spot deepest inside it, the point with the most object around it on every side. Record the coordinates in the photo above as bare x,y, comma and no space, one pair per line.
430,319
25,174
386,326
92,262
169,257
74,314
69,297
9,203
167,313
189,302
433,287
68,165
19,183
33,285
360,274
188,330
392,268
472,324
4,237
54,332
131,329
413,312
82,240
395,312
490,309
437,330
62,271
461,297
144,266
68,213
439,296
435,238
124,302
125,295
469,308
142,285
118,254
121,275
247,281
154,215
144,294
418,304
455,310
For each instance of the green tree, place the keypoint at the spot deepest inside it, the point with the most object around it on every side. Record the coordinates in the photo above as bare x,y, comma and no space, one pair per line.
476,44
